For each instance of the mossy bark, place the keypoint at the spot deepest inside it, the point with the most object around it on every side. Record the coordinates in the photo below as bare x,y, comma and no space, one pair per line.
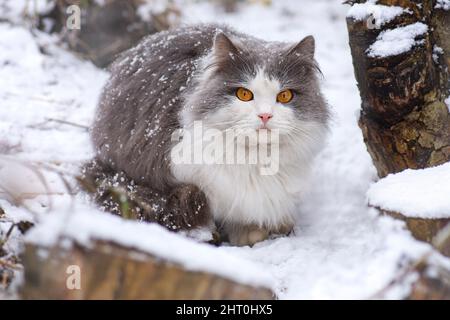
110,271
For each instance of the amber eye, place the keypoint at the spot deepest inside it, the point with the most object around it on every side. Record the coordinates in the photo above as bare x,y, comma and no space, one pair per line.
285,96
244,94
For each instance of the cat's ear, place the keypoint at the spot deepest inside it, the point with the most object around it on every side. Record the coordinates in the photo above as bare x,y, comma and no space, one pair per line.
223,47
304,48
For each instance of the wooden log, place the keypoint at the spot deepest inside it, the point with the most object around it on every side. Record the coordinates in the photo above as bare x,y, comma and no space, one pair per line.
433,284
423,229
111,271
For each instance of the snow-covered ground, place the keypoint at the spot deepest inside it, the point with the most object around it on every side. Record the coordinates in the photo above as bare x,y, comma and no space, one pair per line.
340,249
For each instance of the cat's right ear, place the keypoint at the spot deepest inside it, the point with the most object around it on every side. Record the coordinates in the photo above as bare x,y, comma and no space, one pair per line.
223,47
304,48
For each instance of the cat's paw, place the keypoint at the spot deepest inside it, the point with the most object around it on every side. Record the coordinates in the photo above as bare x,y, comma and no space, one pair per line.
247,236
186,209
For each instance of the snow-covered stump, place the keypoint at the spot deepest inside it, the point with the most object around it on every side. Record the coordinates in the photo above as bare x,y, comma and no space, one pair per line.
418,197
110,271
400,54
92,255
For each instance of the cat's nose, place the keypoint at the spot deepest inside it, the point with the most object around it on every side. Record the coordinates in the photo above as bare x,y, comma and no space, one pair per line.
265,117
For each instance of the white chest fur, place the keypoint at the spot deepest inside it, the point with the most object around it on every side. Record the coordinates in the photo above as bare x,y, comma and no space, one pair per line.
239,193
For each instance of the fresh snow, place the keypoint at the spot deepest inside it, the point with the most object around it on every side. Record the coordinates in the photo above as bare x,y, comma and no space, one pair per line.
340,249
423,193
443,4
437,51
396,41
381,13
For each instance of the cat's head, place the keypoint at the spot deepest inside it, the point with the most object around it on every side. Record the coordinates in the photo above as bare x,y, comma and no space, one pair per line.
249,84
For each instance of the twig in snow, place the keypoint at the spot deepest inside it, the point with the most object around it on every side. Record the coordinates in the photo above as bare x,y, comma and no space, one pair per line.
69,123
37,98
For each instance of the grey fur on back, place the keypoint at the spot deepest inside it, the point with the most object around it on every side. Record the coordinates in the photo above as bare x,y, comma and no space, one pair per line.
139,107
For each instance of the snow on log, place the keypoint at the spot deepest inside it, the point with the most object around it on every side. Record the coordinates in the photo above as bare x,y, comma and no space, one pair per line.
422,193
93,255
418,197
379,14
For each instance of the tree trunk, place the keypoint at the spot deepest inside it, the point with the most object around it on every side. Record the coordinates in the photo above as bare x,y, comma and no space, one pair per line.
111,271
404,118
107,28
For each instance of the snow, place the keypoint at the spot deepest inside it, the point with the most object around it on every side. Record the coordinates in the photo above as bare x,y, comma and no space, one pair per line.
396,41
341,248
14,11
422,193
437,51
447,102
37,89
443,4
381,13
149,8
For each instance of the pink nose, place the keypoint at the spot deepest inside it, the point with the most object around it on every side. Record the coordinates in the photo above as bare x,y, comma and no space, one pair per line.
265,117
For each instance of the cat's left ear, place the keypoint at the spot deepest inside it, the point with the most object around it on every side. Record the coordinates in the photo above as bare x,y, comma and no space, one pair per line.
304,48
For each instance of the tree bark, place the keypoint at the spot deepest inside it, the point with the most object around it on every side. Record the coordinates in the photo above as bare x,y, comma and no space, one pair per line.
110,271
404,119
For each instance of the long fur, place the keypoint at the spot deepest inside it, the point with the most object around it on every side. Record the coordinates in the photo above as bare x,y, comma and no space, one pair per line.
174,78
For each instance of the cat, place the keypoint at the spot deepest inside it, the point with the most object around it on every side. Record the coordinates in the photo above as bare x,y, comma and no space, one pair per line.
223,80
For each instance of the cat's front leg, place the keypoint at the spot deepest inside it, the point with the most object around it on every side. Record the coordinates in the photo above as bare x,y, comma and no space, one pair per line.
243,235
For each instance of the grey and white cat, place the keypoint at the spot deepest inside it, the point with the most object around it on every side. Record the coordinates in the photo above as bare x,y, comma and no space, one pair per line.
175,78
